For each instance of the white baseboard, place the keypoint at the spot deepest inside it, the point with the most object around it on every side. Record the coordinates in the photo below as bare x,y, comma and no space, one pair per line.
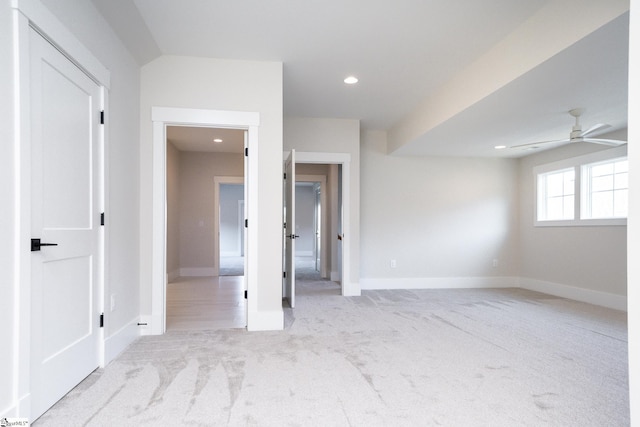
148,327
437,282
335,276
265,320
19,409
230,253
604,299
120,340
197,272
173,275
304,253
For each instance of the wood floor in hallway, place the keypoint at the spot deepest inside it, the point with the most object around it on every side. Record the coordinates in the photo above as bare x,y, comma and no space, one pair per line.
206,303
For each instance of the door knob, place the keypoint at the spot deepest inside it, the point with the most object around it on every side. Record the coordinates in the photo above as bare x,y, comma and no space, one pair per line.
36,244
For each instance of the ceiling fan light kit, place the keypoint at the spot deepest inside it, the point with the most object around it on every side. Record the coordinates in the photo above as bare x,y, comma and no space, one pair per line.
577,134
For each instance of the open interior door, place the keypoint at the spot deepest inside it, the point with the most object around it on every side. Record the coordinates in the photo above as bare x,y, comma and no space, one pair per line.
290,229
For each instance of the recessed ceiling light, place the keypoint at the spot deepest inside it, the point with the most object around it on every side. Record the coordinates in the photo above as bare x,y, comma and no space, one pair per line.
351,80
217,140
500,147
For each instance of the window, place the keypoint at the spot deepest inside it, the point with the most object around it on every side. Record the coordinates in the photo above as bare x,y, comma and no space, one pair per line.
587,190
605,189
556,195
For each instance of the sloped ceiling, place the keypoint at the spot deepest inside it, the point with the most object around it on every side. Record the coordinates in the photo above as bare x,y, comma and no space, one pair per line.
408,55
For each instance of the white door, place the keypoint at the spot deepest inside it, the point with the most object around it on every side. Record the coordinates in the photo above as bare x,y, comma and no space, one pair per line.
65,211
290,229
245,235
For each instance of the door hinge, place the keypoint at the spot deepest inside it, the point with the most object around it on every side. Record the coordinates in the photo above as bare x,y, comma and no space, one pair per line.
285,175
102,320
102,117
245,294
284,274
246,223
102,218
246,152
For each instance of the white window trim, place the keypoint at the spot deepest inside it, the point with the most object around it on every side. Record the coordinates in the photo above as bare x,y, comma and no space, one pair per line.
577,163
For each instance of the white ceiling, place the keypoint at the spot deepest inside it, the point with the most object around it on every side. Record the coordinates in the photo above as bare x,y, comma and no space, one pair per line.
402,51
186,138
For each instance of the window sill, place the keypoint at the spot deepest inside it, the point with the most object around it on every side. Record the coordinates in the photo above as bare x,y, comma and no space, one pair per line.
600,222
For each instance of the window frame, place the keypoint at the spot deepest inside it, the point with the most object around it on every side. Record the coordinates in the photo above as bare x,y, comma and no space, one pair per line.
612,154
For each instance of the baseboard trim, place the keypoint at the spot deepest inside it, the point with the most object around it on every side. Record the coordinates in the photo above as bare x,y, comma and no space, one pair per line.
173,275
265,320
19,409
197,272
335,276
120,340
437,283
230,253
604,299
304,253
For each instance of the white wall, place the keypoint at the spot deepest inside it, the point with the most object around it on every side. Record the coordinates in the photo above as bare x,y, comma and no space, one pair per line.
589,258
444,220
173,211
121,158
197,205
333,136
230,222
216,84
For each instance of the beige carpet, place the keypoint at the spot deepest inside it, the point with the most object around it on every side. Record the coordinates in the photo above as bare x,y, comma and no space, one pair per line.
389,358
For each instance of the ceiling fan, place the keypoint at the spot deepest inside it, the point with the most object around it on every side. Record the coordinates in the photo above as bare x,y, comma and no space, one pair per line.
577,134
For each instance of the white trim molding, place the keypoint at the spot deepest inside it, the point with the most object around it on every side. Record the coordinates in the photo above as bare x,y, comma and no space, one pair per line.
161,117
603,299
265,320
395,283
118,341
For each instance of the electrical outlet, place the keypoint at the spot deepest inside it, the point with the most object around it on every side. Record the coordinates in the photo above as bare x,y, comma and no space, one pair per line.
495,262
393,263
113,302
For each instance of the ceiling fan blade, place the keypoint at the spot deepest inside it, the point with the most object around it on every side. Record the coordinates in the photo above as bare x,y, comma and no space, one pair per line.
531,144
610,142
595,128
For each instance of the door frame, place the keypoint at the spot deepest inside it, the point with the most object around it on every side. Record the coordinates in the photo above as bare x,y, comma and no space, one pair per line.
168,116
27,15
348,287
216,224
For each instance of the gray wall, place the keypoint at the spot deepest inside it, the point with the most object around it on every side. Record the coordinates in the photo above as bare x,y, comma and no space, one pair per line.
437,217
197,208
230,223
305,219
173,212
593,258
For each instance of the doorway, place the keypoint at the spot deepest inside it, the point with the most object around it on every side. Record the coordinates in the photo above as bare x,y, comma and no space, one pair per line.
162,119
198,228
340,176
231,229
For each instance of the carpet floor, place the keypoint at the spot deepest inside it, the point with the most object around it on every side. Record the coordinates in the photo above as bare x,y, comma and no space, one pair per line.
479,357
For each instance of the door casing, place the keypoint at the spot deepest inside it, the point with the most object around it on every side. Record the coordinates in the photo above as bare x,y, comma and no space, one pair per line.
168,116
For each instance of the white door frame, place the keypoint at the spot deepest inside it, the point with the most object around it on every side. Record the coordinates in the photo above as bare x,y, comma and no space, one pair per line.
28,14
166,116
344,159
216,224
